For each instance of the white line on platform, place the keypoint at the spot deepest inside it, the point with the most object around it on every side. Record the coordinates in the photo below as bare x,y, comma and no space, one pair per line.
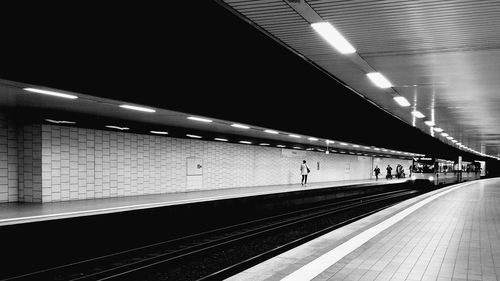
314,268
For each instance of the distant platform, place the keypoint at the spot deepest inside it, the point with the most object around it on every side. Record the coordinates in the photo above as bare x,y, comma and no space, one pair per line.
17,213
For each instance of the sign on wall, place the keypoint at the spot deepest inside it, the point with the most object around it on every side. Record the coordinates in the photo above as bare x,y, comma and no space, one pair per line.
194,166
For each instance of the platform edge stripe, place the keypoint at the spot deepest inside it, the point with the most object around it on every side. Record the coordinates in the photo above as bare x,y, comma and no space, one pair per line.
317,266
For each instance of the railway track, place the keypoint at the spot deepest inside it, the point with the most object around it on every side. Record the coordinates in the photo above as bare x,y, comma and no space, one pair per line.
210,252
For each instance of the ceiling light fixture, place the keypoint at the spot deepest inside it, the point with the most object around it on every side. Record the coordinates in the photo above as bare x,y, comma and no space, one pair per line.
117,127
245,142
271,132
417,114
437,130
138,108
294,136
159,132
220,139
444,134
60,122
240,126
402,101
50,93
430,123
332,36
312,139
379,80
193,136
199,119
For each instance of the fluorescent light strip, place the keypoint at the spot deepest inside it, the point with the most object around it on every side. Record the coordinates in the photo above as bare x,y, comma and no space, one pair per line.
116,127
332,36
220,139
280,145
245,142
402,101
429,123
312,139
355,145
294,136
271,132
449,137
444,134
264,144
240,126
329,141
159,132
437,130
379,80
50,93
199,119
417,114
343,143
138,108
60,122
296,147
193,136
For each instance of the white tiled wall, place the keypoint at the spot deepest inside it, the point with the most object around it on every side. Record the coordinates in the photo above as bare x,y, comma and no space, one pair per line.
44,163
86,163
29,163
8,159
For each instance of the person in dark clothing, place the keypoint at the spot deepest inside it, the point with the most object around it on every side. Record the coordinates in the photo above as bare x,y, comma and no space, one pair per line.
377,171
304,171
388,175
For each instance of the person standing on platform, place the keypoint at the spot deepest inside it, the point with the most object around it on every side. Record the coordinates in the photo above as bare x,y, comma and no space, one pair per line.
388,175
377,171
304,170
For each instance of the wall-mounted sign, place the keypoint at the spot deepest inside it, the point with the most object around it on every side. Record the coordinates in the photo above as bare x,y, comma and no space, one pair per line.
194,166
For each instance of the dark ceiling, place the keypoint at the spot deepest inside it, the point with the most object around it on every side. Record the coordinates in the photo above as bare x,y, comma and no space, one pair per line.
194,57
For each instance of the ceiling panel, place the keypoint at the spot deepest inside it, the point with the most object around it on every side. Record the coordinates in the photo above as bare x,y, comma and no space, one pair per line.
443,56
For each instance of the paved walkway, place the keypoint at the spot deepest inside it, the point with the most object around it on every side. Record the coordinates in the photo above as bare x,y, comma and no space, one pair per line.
449,234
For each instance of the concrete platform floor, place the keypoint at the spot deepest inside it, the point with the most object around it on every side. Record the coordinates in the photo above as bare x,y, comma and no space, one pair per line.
15,213
449,234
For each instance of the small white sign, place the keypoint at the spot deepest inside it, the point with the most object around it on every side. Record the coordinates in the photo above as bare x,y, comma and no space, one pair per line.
194,166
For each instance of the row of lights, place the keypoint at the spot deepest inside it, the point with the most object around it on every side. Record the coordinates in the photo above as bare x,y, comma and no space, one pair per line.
240,126
261,144
206,120
332,36
242,142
